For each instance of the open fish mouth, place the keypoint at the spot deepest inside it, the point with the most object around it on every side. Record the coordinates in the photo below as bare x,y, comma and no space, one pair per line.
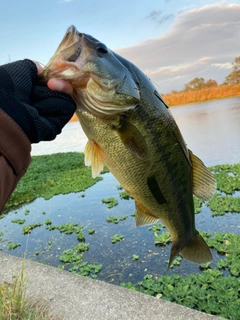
102,85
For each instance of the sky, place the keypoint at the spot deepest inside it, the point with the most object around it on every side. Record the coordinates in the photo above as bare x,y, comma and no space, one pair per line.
172,41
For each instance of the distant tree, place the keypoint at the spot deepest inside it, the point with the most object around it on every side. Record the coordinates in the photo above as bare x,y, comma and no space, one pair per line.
211,84
234,76
195,84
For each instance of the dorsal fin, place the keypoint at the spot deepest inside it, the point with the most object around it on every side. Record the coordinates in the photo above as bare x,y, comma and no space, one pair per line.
142,217
204,183
93,157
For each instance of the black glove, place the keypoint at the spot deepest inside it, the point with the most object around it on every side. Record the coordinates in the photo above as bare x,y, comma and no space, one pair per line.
39,111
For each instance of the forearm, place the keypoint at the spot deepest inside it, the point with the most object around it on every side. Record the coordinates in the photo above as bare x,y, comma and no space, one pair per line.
14,156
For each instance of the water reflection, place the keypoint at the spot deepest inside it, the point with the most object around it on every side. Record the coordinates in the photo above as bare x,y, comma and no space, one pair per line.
211,129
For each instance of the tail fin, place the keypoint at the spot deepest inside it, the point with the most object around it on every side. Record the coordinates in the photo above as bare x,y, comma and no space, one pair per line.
196,251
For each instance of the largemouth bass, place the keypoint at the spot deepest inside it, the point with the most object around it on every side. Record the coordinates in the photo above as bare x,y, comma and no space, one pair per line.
130,129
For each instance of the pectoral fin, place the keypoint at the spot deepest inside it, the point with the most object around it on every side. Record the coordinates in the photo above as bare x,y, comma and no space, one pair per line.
204,184
132,139
142,217
93,157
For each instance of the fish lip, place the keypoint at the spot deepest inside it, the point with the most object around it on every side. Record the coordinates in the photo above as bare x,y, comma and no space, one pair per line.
71,31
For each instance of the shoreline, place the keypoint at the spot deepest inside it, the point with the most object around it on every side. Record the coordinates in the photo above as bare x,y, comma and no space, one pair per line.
74,117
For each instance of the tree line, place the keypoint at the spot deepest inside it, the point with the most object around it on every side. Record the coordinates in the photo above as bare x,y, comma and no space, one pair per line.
200,83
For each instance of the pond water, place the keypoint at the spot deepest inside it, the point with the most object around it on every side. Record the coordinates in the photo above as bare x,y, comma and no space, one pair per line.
211,130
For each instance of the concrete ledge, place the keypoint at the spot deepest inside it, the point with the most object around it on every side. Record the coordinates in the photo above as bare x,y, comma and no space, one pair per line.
74,297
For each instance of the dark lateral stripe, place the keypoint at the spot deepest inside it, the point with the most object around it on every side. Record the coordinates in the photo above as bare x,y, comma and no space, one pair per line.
154,188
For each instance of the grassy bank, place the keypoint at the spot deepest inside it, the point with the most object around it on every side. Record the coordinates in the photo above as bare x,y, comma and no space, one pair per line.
185,97
52,175
214,289
15,305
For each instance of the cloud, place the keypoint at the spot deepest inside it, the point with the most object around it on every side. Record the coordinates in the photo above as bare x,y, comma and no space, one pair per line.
165,17
226,65
154,14
158,16
201,43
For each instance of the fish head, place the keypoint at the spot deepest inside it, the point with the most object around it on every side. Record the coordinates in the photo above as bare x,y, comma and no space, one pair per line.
102,85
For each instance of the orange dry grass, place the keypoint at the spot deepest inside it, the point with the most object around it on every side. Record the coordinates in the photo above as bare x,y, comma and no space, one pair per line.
184,97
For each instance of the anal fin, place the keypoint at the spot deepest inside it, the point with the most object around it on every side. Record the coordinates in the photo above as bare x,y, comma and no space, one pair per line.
143,217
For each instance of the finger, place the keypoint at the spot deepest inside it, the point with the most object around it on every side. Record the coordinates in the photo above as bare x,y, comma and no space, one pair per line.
60,85
39,67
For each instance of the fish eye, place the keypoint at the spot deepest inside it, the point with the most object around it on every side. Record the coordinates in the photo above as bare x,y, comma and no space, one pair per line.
101,48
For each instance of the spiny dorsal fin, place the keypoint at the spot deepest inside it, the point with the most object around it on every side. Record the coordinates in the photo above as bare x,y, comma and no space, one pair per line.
143,218
132,139
204,184
93,157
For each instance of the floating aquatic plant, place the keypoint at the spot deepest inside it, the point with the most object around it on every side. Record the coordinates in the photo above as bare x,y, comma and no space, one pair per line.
26,212
162,239
115,219
135,257
19,221
117,238
48,222
208,292
13,246
91,231
124,195
68,174
67,228
112,202
176,262
28,229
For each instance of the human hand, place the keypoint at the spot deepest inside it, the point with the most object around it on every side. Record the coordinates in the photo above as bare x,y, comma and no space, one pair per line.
38,110
56,84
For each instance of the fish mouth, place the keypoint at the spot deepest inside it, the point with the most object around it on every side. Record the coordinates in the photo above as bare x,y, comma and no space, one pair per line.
72,42
75,57
102,85
66,55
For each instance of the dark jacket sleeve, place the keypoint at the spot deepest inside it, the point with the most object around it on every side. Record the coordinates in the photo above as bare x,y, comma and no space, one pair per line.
15,156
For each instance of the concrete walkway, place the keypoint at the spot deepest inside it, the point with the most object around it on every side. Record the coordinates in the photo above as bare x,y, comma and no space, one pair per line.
74,297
